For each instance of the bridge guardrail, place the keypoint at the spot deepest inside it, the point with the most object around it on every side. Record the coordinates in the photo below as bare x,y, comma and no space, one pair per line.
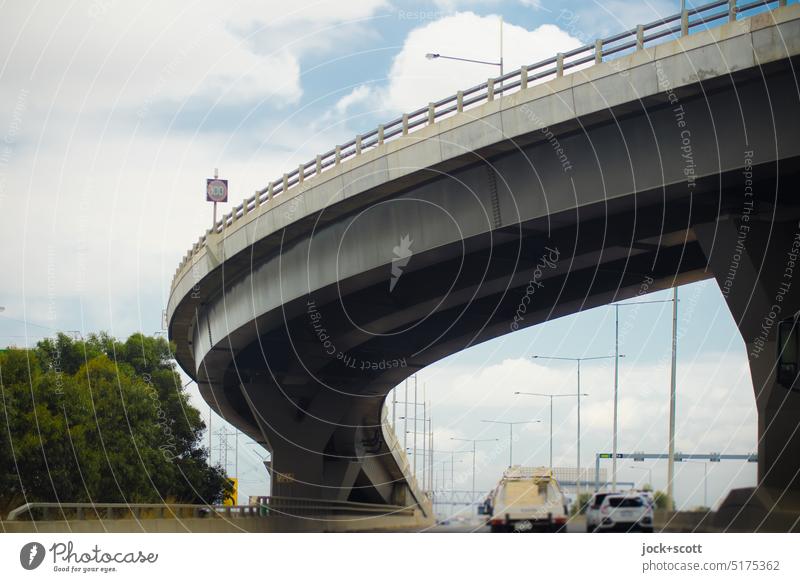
80,511
324,508
267,506
637,38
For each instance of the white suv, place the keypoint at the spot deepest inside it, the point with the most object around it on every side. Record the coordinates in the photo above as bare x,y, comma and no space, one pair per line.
593,510
621,512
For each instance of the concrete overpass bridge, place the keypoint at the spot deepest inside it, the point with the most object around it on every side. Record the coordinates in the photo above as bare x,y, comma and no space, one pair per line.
657,157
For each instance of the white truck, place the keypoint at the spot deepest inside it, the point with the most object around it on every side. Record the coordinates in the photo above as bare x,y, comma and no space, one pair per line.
527,499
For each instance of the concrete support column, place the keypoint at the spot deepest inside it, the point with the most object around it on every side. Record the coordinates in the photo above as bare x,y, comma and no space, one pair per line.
298,473
296,446
756,264
316,451
778,424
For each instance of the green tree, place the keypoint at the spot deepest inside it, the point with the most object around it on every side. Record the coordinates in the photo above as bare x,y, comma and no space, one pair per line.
100,420
661,500
581,503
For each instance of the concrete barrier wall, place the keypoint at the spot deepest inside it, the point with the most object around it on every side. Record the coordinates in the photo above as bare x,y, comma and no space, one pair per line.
219,525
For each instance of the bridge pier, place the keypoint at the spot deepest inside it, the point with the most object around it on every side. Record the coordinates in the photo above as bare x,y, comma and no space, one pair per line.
297,465
756,262
317,452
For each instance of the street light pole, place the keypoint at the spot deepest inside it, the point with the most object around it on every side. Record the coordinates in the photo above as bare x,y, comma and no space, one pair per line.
424,439
578,461
425,434
474,443
430,445
579,394
511,434
405,422
550,396
501,46
415,428
427,437
431,56
616,385
616,399
671,456
510,444
672,391
452,454
472,497
551,434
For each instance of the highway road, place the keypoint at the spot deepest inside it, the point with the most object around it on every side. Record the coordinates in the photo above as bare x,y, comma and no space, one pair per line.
577,525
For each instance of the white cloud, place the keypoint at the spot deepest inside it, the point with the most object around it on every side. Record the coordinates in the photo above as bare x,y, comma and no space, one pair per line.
716,406
120,54
451,5
716,413
414,80
600,19
301,12
106,217
100,191
357,96
454,4
134,55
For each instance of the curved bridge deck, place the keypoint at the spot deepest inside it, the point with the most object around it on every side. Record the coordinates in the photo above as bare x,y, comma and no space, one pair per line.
496,209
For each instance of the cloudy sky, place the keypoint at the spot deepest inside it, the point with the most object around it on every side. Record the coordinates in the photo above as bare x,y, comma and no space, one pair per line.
113,113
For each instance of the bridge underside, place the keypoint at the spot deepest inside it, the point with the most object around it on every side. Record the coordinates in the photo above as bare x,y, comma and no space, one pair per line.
510,239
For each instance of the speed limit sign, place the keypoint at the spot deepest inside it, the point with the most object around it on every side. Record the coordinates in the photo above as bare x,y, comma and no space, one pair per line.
216,190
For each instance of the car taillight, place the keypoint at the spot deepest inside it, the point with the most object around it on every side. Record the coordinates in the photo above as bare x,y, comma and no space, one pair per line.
604,510
560,520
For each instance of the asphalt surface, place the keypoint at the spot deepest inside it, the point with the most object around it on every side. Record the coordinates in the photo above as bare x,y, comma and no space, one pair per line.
576,525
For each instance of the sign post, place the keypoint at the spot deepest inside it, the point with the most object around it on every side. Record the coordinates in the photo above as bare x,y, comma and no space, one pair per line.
216,191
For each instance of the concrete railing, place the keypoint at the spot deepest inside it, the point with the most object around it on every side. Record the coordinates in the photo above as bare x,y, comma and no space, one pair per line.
267,506
640,37
327,509
272,514
80,511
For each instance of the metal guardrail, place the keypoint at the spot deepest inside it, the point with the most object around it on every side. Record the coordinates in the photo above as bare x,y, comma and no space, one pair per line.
80,511
323,508
267,506
457,497
636,38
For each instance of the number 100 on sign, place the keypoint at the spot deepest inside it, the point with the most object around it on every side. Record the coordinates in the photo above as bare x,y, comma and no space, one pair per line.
216,190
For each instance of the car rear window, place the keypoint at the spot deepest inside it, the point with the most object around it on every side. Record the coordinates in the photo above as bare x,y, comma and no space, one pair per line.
598,499
625,502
